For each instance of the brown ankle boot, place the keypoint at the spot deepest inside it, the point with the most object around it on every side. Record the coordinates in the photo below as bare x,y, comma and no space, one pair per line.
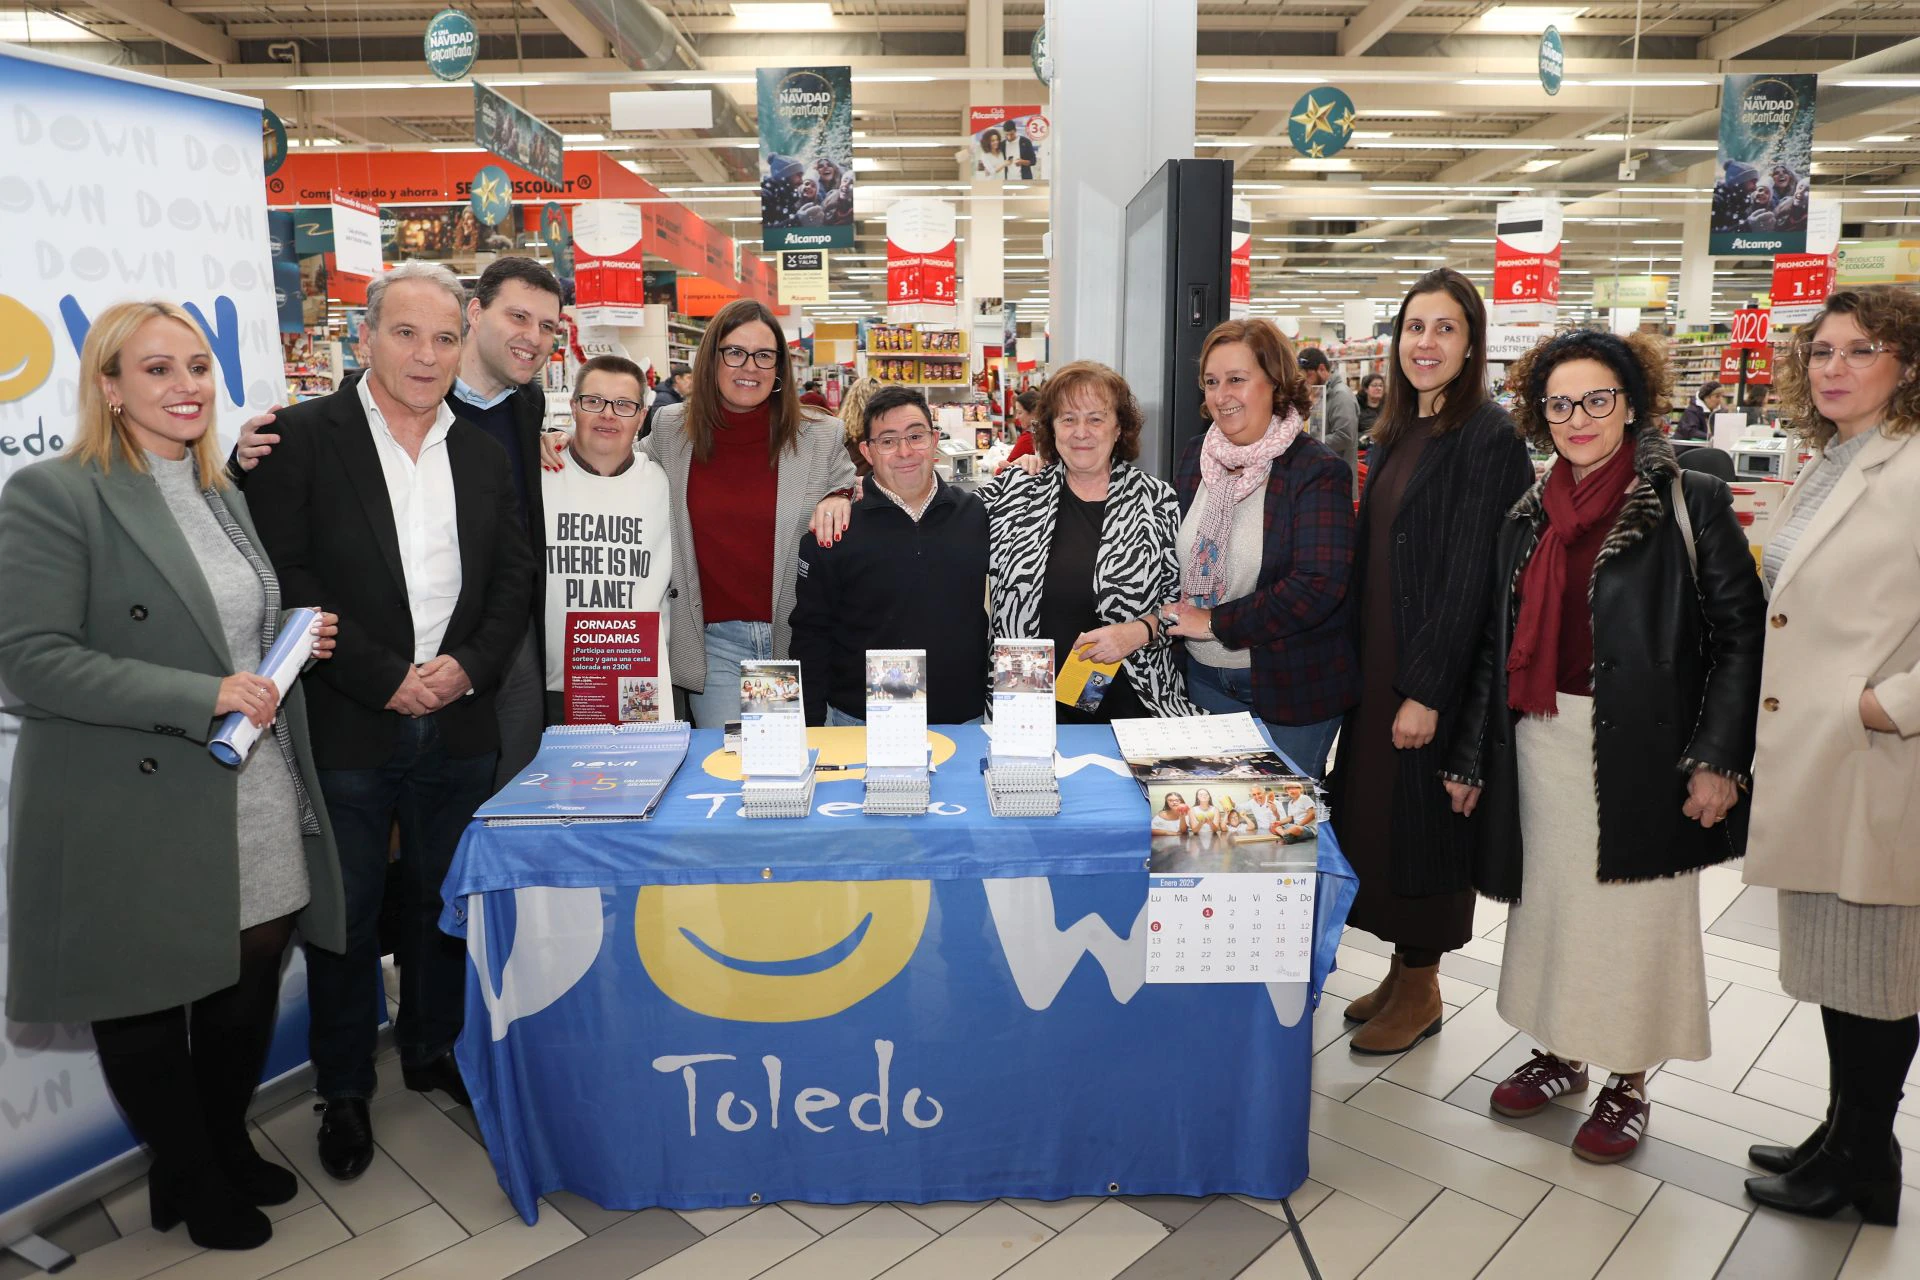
1364,1009
1411,1014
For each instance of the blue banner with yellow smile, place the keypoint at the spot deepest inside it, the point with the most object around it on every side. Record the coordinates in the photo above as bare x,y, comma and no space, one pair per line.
699,1010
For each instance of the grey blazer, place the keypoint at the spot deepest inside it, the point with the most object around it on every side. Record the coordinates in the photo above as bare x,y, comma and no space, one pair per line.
817,466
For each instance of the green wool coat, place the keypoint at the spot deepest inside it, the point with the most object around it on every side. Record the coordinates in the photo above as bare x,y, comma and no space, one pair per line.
123,852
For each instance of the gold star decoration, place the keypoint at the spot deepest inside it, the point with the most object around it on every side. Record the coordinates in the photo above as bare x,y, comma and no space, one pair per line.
1315,118
1345,124
488,189
1318,150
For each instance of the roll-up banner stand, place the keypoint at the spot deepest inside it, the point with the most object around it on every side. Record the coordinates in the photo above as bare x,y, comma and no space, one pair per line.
129,188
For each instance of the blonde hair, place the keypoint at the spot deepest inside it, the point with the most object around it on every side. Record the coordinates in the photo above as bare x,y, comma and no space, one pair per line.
1886,315
102,436
853,410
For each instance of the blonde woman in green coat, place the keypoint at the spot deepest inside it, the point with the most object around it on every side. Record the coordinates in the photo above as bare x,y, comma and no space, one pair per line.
154,891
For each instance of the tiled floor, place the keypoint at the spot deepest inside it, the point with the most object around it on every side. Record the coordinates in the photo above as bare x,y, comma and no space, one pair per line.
1412,1176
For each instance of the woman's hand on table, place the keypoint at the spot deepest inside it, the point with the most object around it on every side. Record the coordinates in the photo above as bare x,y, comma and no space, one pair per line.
1709,797
1414,725
1115,642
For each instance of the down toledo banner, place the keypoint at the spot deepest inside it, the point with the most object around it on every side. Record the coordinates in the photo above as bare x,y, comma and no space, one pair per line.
806,157
1761,196
113,187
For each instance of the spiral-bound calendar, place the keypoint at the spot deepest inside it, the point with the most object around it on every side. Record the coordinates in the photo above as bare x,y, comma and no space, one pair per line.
1237,927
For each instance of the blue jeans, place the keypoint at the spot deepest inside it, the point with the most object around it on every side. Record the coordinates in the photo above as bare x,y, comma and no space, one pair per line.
728,645
433,797
1225,690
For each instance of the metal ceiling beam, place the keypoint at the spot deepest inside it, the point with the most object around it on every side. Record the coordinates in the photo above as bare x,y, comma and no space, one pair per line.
1365,28
1777,20
574,25
178,29
1478,168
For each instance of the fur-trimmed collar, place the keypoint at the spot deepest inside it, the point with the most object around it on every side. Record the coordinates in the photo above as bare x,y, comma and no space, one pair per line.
1654,465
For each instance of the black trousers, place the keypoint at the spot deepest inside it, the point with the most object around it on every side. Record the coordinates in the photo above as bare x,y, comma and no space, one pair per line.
185,1075
1868,1059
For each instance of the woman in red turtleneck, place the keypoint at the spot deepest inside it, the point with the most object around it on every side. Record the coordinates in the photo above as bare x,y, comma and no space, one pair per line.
747,466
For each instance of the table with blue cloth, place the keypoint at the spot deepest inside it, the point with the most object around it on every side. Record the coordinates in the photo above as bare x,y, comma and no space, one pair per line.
701,1009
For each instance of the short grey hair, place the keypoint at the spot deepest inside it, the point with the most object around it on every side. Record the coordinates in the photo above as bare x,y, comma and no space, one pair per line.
432,272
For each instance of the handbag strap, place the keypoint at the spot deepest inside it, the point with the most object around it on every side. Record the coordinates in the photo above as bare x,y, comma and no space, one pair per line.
1685,522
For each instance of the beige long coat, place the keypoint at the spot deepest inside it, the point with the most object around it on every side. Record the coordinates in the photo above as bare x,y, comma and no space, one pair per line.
1836,809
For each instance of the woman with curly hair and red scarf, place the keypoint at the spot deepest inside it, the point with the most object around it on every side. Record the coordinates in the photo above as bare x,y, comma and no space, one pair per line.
1606,733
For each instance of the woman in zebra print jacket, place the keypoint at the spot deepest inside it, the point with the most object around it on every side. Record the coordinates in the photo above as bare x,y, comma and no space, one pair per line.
1082,545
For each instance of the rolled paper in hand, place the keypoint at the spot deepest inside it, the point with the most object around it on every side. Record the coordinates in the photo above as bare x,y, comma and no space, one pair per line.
237,734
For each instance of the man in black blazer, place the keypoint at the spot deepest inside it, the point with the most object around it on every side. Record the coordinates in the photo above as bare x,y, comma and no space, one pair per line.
378,501
513,319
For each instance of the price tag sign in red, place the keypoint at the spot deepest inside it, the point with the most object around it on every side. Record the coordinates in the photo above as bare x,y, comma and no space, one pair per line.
1801,283
1751,329
1759,366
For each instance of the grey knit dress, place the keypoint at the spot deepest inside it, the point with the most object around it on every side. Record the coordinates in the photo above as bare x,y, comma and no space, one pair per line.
273,862
1856,957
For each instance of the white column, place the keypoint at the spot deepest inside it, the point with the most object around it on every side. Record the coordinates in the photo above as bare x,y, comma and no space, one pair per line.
1696,268
983,259
1123,104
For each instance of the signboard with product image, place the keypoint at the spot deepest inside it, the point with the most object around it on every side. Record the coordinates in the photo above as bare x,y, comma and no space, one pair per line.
452,44
1761,198
806,157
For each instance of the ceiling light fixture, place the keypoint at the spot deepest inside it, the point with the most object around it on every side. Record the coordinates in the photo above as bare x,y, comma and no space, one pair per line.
783,17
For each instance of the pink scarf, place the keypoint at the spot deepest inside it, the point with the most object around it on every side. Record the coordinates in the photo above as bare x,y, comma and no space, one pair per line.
1232,472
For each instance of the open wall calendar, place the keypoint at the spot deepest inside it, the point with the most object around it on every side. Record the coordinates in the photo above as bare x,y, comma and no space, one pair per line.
1238,927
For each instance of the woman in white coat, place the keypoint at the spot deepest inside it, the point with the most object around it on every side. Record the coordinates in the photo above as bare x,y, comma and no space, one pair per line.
1836,825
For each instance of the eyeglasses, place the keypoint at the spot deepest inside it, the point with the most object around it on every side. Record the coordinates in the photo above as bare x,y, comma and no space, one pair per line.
598,404
1598,403
1858,356
891,443
736,358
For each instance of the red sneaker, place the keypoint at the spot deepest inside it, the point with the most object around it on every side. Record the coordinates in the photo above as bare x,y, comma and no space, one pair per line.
1528,1091
1618,1123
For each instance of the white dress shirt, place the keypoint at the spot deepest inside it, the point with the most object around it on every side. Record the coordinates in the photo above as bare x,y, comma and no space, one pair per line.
425,519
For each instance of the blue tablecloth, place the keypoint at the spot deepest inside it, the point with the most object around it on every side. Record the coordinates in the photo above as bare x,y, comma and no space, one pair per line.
704,1010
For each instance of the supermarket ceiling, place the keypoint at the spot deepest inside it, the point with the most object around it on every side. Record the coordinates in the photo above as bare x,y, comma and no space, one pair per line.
1452,113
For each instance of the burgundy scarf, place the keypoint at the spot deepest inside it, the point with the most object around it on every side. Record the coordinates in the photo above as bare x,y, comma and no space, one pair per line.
1573,510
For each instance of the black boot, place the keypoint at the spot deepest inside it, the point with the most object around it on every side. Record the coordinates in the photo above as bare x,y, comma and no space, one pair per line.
1855,1165
232,1030
216,1215
1781,1159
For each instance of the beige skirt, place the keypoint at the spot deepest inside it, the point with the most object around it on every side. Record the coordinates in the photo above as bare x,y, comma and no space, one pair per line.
1611,974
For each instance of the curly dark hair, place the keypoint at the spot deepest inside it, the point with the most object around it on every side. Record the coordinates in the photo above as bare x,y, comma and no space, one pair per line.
1638,361
1275,356
1068,384
1886,314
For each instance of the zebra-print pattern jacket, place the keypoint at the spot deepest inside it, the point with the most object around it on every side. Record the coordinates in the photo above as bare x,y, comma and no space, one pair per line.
1138,569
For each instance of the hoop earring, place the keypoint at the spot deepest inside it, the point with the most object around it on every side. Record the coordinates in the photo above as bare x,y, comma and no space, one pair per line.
776,384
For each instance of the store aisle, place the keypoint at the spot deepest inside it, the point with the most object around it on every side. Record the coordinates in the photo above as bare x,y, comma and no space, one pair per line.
1412,1177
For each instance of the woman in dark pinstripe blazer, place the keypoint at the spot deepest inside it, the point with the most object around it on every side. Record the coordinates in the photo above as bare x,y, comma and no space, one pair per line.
1447,463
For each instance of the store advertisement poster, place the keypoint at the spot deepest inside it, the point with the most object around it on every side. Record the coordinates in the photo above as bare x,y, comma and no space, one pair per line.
1240,263
1877,262
613,669
281,238
1631,291
118,187
512,134
1526,262
1759,366
699,297
806,157
1761,196
922,266
803,276
609,264
1801,283
1010,144
356,236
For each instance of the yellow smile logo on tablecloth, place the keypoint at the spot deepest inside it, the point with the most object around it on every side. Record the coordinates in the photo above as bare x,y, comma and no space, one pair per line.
843,755
778,952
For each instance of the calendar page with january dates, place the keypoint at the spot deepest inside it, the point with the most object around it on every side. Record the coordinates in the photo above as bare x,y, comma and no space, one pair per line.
1232,927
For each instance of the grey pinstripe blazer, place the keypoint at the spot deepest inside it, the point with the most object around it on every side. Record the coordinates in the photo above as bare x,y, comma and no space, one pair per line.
817,467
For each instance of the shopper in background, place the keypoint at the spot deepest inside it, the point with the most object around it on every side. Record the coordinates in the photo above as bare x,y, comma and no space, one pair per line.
853,404
1024,405
1606,731
1696,421
1336,411
746,466
154,891
813,397
380,499
1266,546
1838,760
1445,467
911,573
1373,393
1083,545
679,382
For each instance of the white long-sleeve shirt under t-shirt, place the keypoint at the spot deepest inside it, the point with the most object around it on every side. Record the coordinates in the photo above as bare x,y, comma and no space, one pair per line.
426,521
609,548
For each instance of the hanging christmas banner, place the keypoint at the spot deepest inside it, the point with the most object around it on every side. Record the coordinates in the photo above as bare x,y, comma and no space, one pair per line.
1321,122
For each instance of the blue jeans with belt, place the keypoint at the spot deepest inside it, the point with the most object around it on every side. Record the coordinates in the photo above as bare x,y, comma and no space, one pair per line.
728,645
1225,690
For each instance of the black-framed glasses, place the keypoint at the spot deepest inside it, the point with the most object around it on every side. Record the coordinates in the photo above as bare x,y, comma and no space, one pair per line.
1858,355
600,404
1598,403
737,357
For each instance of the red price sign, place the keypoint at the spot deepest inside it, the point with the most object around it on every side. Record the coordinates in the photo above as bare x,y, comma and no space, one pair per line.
1801,283
1751,327
1759,366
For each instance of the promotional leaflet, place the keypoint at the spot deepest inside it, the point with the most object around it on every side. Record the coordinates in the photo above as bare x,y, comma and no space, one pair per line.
356,236
897,707
1022,698
1082,683
613,669
773,723
592,773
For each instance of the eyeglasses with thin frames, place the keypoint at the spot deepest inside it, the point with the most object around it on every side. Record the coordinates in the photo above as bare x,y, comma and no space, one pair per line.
1858,355
598,404
737,357
1598,403
891,443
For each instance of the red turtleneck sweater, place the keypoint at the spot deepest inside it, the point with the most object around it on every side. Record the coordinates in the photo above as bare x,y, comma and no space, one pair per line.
730,500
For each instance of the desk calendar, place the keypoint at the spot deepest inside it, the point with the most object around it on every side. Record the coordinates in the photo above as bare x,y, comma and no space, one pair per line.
1234,927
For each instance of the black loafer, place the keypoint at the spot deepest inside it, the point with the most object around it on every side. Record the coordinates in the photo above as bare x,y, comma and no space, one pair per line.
346,1137
443,1073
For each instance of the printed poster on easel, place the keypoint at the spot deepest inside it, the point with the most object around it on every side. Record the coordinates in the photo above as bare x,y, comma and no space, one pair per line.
613,669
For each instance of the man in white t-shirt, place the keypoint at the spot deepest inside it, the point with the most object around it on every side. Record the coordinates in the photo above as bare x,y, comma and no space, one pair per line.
1303,816
1267,810
609,559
